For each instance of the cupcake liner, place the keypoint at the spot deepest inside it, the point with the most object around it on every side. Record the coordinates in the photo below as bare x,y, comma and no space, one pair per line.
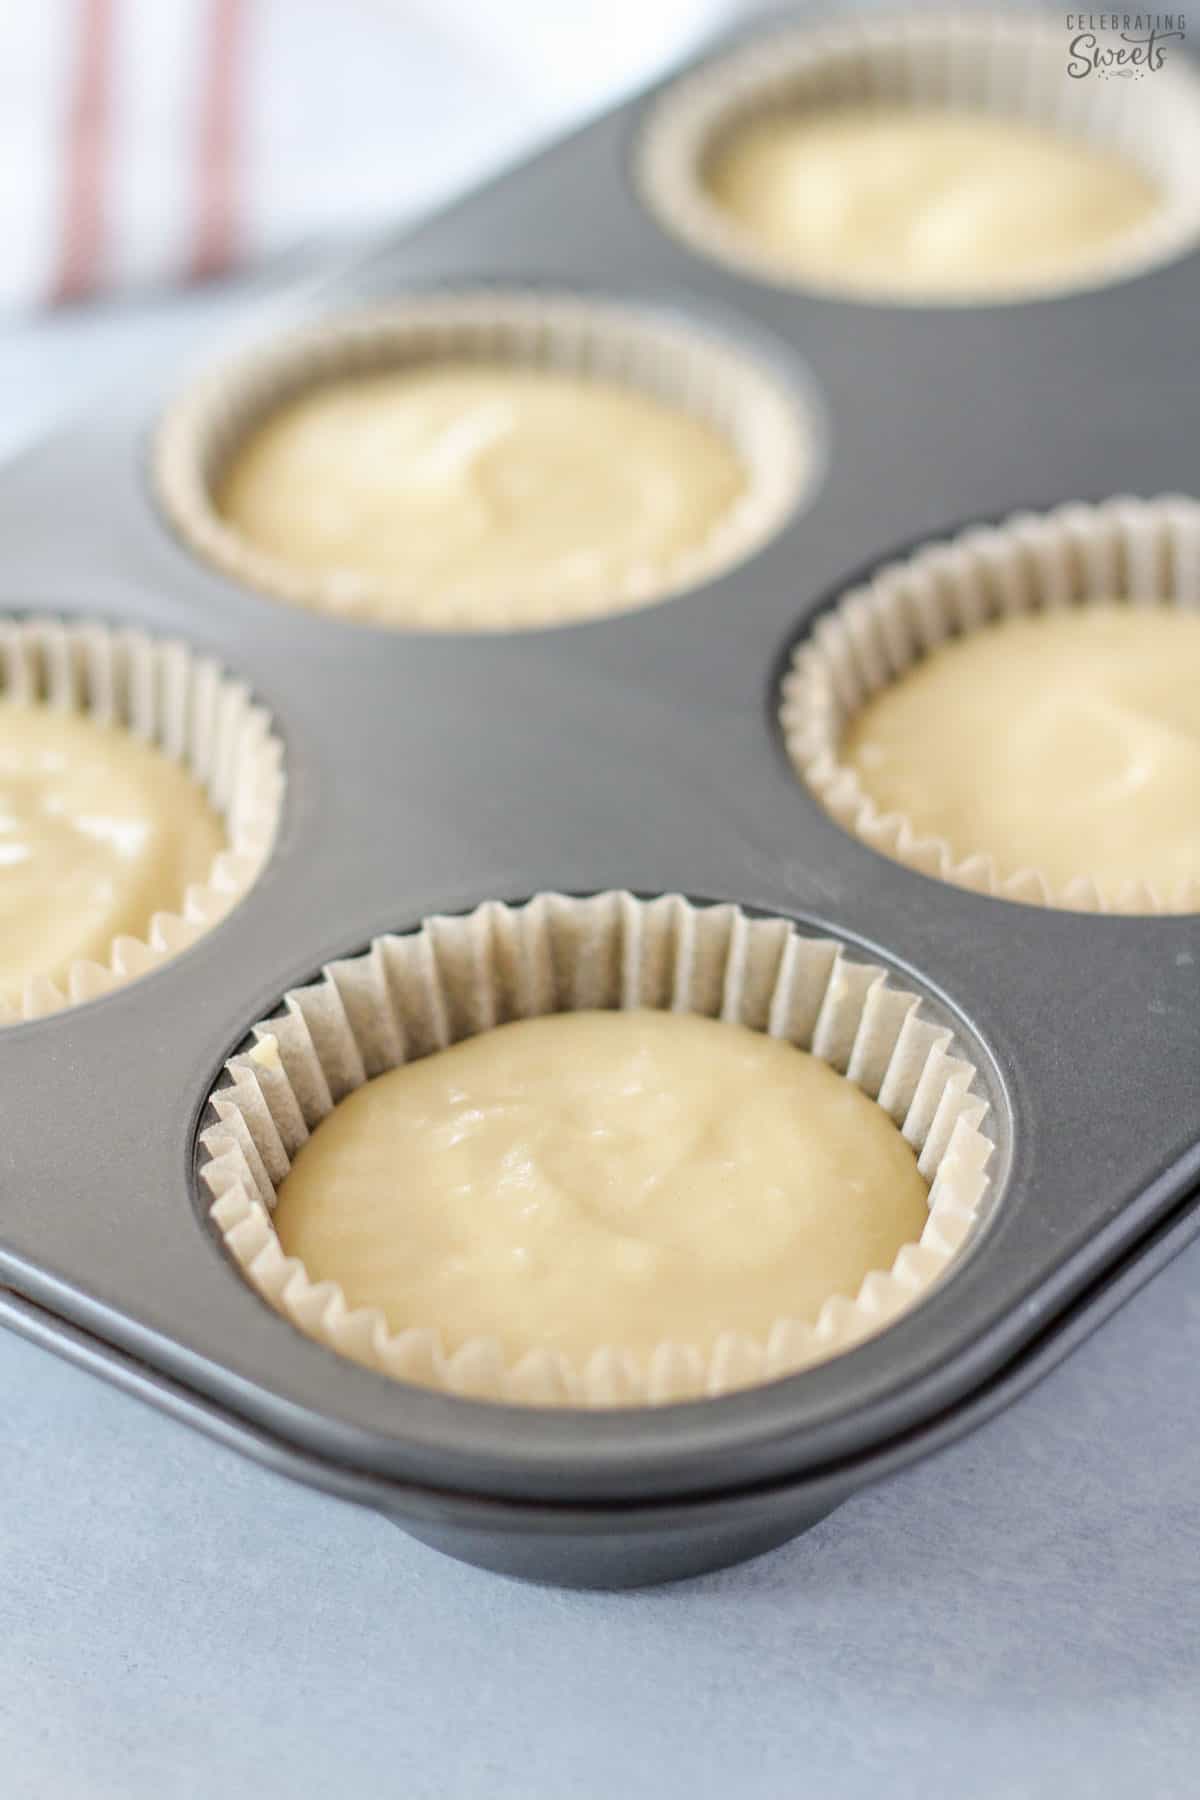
772,426
1008,63
1145,552
195,714
411,995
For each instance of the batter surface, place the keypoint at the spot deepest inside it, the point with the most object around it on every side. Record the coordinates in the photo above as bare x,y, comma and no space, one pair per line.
603,1178
501,490
903,199
1067,742
98,832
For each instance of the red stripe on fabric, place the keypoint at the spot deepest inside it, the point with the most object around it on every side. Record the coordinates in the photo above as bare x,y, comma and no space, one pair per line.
217,193
86,156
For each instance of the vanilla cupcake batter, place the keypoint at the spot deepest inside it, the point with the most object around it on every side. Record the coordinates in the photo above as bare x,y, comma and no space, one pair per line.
603,1178
1066,742
917,200
484,492
98,832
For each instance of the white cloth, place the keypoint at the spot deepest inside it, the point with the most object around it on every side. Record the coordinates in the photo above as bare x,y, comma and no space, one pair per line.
153,141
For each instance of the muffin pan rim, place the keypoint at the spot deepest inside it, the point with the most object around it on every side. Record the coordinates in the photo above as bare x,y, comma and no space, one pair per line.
529,1477
1062,1335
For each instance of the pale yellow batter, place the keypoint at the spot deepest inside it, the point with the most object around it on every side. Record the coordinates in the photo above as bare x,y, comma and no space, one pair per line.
914,200
495,491
1067,742
98,832
603,1178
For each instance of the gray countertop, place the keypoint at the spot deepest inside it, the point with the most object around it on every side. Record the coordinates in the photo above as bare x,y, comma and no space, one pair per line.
1018,1617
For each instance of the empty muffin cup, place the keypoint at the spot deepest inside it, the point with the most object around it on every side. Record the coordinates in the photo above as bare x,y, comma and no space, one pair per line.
927,159
739,992
1017,711
486,461
140,790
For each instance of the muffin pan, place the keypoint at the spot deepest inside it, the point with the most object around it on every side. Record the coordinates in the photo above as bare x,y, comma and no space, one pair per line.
427,773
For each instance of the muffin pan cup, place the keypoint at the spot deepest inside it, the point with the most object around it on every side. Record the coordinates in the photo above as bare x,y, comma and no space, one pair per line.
427,773
1031,567
457,978
770,424
1012,61
190,710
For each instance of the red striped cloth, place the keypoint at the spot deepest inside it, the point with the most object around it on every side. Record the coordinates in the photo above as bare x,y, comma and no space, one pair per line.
87,254
152,141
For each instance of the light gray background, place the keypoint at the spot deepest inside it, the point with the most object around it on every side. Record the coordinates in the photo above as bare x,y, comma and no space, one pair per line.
1020,1617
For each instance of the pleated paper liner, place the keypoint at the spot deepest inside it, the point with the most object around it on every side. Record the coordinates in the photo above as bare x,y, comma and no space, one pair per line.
1008,64
770,423
411,995
1145,552
187,707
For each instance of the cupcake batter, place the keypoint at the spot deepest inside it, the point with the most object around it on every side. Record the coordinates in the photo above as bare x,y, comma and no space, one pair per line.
484,492
1067,742
916,200
600,1178
98,832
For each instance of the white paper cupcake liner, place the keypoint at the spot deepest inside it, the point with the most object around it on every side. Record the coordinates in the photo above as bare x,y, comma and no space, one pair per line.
770,423
1008,63
1142,551
409,996
194,713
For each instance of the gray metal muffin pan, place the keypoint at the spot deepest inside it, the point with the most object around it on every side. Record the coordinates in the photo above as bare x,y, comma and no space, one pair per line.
428,772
